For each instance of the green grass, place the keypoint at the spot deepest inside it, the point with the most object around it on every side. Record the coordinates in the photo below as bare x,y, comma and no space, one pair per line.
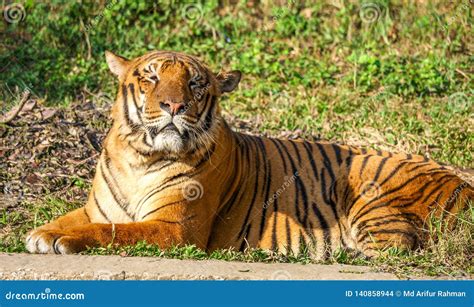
447,252
403,82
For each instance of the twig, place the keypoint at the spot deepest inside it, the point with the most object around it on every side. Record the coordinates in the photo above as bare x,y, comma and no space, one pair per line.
23,100
462,73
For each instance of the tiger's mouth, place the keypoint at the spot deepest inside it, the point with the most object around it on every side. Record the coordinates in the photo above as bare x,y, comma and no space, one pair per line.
168,137
170,127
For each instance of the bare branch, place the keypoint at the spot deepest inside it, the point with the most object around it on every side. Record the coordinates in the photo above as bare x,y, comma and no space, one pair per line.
23,100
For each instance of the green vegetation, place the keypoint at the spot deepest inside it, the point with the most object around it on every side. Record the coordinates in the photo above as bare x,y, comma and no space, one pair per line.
386,73
393,75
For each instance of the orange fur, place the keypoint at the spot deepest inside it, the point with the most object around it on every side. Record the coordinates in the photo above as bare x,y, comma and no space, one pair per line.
172,172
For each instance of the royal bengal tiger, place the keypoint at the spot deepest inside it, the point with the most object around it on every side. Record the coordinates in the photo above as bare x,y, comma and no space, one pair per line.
172,172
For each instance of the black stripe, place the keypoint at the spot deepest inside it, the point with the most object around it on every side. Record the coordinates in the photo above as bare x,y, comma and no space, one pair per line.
244,165
324,226
255,188
161,207
452,200
55,246
209,115
87,215
436,188
406,215
379,169
99,207
364,164
309,152
299,187
288,235
281,155
362,213
362,230
176,222
386,193
267,177
389,231
337,152
420,164
126,112
392,173
132,92
119,199
192,173
274,230
327,162
297,152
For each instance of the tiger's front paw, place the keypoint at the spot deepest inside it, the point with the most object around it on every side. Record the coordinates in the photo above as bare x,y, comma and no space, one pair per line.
53,242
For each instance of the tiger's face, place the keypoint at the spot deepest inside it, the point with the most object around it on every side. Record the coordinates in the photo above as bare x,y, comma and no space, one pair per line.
168,100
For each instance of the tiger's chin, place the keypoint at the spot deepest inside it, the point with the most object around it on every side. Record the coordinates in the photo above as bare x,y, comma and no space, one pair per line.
170,142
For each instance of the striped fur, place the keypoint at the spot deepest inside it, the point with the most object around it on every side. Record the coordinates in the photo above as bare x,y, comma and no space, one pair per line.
172,172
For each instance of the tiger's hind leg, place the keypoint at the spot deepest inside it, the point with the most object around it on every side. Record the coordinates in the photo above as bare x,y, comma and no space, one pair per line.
386,229
390,199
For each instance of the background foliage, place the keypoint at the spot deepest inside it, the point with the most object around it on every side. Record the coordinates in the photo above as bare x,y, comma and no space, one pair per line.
383,69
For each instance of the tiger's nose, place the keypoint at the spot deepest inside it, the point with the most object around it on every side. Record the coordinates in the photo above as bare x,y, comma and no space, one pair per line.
172,108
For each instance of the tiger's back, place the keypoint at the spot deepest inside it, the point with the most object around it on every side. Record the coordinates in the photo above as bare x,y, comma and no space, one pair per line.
321,196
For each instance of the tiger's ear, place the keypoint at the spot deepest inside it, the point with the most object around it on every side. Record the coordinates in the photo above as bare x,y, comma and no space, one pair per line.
229,80
118,65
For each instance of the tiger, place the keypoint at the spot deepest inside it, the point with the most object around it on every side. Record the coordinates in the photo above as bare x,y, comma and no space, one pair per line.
172,172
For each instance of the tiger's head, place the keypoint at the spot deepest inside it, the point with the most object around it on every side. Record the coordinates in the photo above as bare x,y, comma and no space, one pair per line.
167,101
